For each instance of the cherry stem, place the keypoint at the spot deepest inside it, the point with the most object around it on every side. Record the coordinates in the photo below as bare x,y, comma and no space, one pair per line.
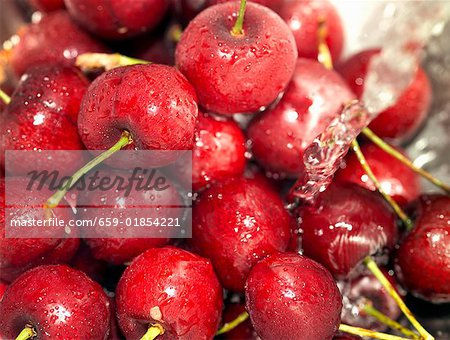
153,331
373,267
399,211
4,97
54,200
324,55
368,333
175,33
384,319
27,333
233,324
238,29
94,61
403,159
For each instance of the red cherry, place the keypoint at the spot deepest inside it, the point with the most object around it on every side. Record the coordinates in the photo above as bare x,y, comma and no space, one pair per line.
292,297
20,254
423,259
58,302
59,48
154,103
396,179
237,223
304,17
48,5
272,4
117,19
171,287
401,120
347,224
3,287
279,136
234,73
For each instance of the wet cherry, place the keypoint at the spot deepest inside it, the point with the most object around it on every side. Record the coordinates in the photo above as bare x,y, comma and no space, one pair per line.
172,288
235,224
280,135
235,72
401,120
423,259
290,296
57,302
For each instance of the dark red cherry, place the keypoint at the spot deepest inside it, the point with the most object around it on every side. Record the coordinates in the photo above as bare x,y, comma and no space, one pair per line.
236,73
304,17
235,224
57,302
119,204
154,103
59,48
347,224
117,19
396,179
401,120
280,135
244,330
173,288
423,259
156,48
47,5
346,336
290,296
367,290
20,254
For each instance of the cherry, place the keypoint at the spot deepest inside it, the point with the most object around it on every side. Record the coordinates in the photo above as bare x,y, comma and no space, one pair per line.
279,136
340,236
235,224
237,69
114,203
272,4
396,179
3,287
346,336
401,120
116,19
20,254
59,48
56,301
155,104
48,5
304,17
290,296
172,288
423,258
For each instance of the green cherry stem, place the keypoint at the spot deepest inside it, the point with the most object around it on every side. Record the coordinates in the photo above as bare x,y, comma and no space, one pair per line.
93,61
368,333
373,267
54,200
403,159
238,28
4,97
233,324
399,211
384,319
27,333
153,331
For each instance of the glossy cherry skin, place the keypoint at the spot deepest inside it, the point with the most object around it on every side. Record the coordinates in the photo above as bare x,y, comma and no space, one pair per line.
422,262
154,103
48,5
367,290
236,74
235,224
117,19
174,288
290,296
20,254
347,224
59,302
303,18
396,179
401,120
138,204
59,48
280,135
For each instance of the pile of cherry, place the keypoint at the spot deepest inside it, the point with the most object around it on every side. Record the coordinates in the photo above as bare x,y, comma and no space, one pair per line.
296,270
